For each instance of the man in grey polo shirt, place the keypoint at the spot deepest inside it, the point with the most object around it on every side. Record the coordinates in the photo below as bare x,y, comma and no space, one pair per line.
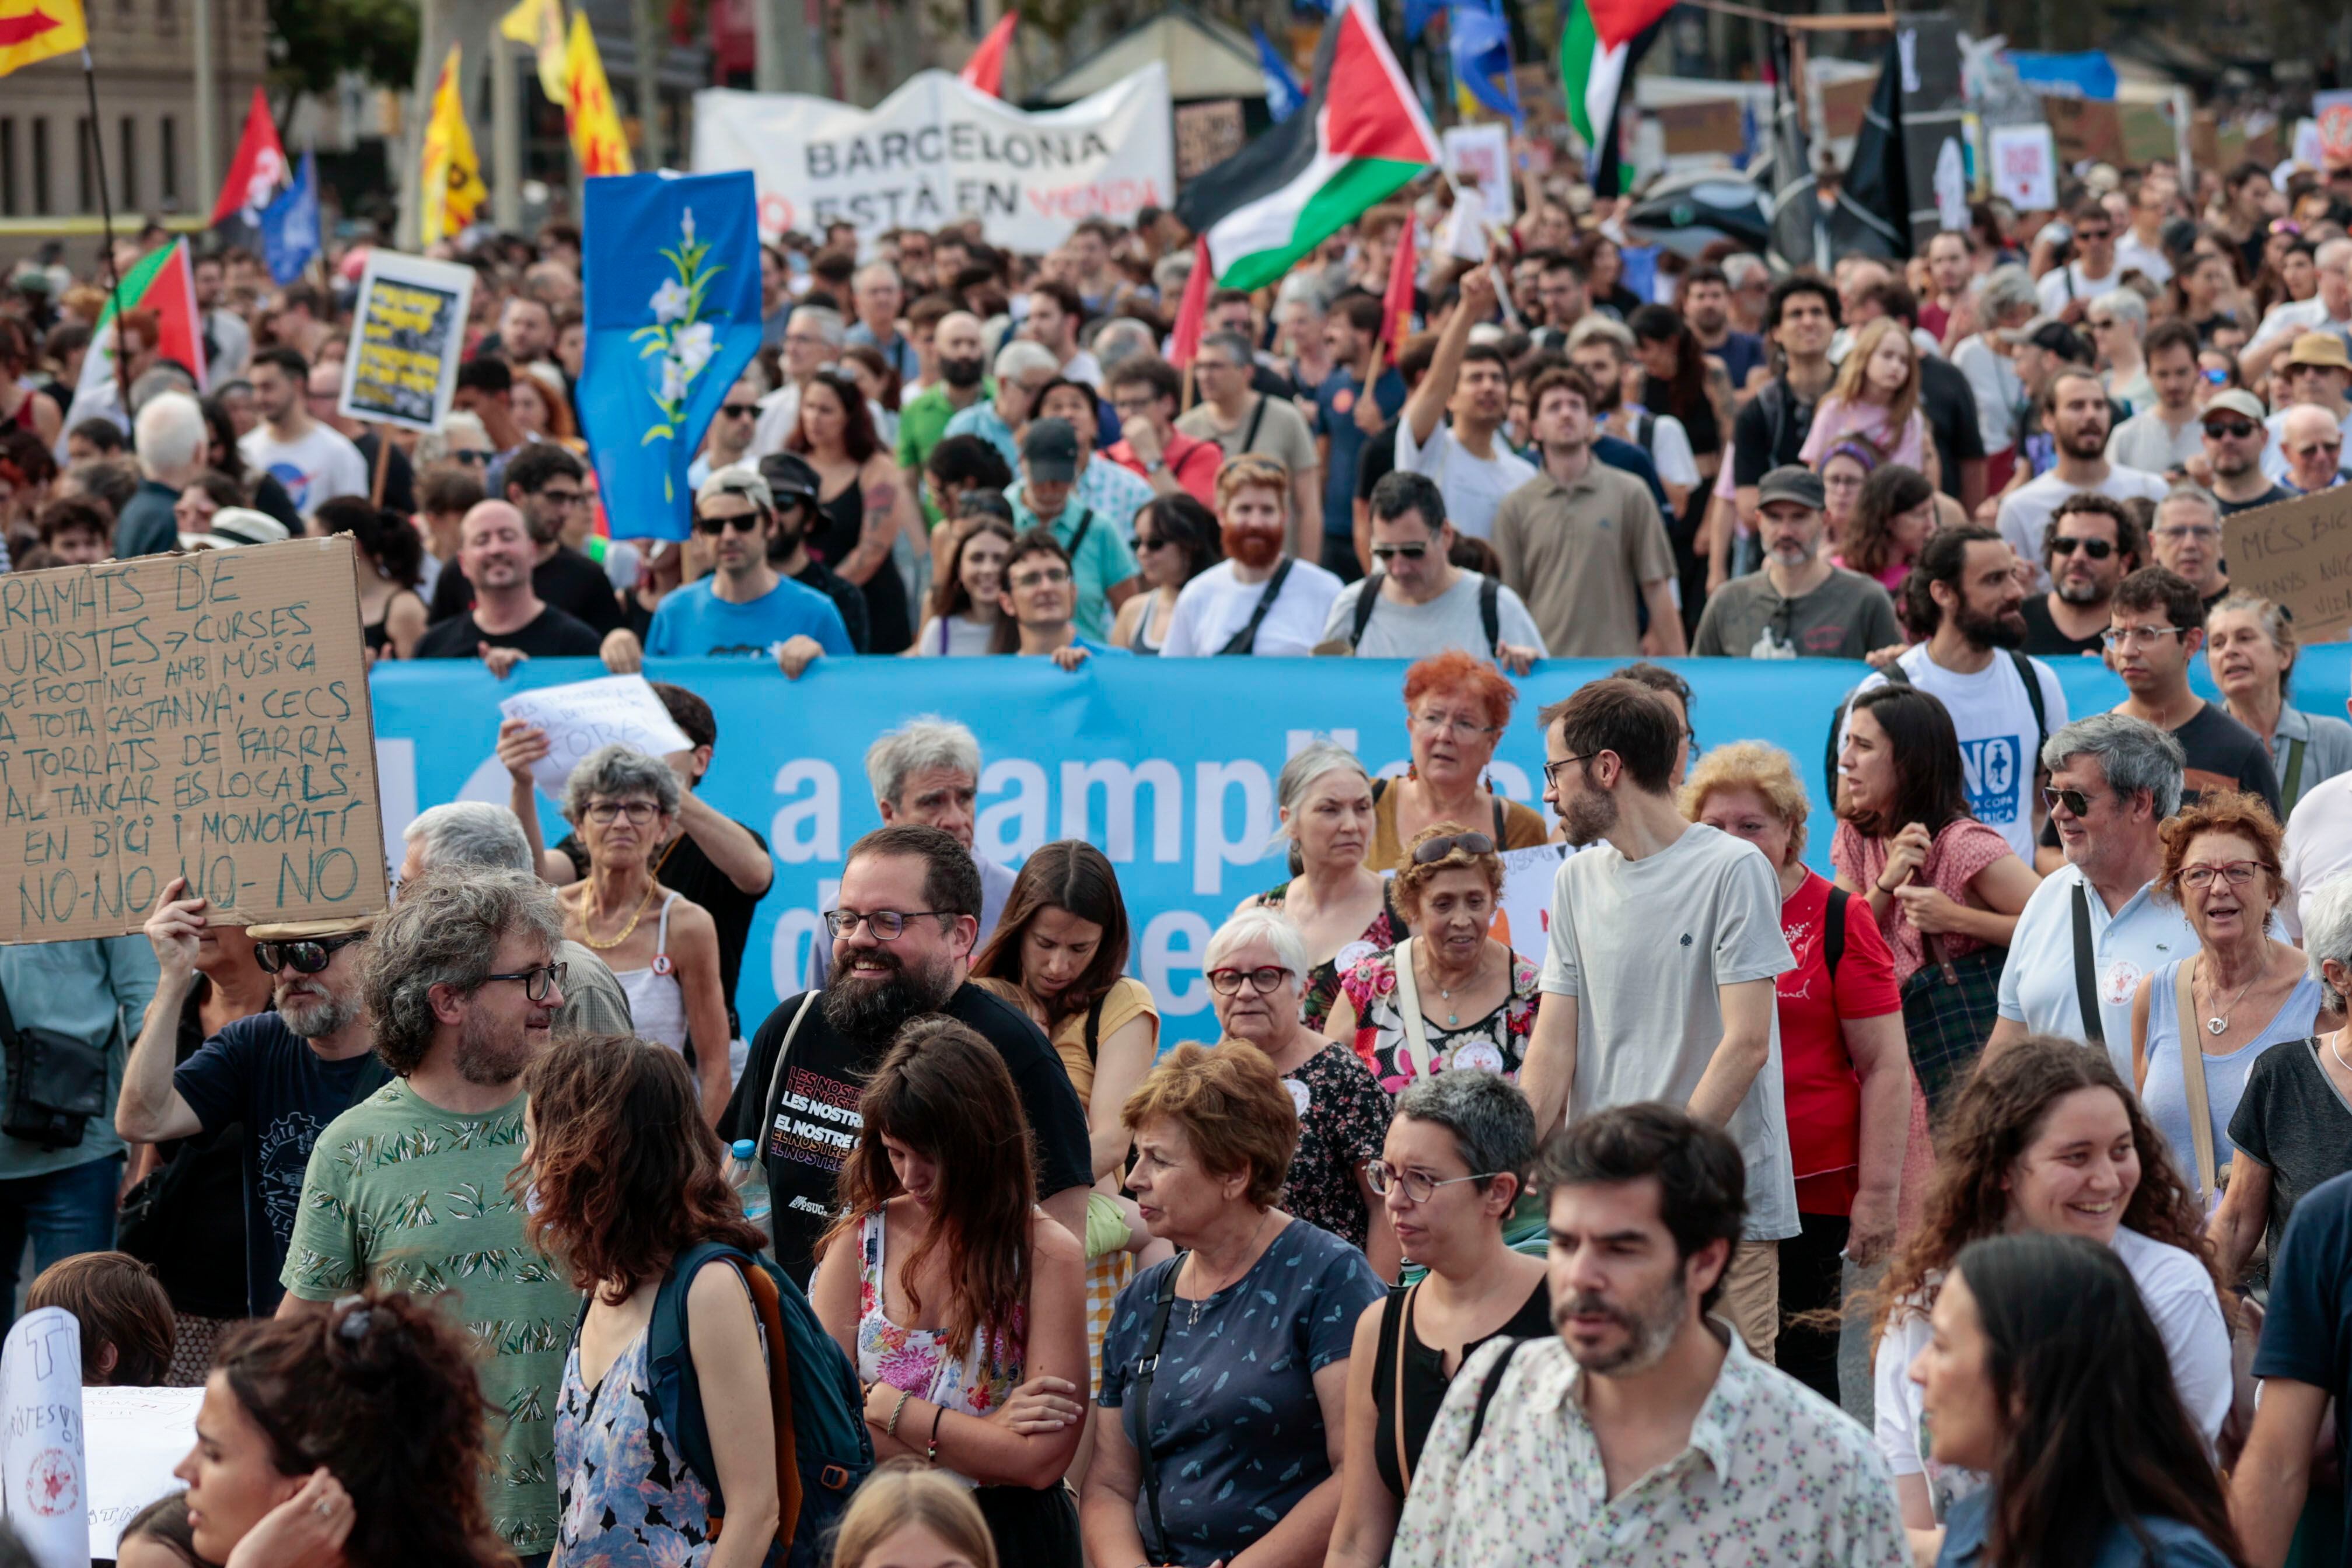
2094,925
1798,605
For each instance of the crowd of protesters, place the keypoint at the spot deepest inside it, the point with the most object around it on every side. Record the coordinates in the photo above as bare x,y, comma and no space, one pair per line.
1769,1218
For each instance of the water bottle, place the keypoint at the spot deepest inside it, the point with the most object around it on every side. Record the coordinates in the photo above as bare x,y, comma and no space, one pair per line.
750,1187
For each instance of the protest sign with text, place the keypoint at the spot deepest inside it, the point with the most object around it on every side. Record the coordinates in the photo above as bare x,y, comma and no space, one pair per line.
2297,553
940,149
408,334
619,710
44,1465
135,1436
203,717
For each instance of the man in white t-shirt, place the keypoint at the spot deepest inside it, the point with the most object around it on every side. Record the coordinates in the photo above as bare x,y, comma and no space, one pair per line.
1658,980
314,462
1257,599
2074,408
1970,663
2067,291
1467,456
2328,310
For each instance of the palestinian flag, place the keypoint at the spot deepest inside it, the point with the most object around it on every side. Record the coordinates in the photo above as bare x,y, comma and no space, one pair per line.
1361,138
164,283
1600,43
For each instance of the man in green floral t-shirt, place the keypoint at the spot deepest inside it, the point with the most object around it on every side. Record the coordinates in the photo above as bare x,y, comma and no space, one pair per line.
407,1190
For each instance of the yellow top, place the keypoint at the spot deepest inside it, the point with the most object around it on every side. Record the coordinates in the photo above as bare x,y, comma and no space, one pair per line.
1128,1000
1523,829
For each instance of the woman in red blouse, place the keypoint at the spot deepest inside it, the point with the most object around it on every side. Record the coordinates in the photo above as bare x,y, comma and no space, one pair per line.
1845,1074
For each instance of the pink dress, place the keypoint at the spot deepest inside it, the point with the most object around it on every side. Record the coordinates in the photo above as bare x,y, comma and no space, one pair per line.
1835,419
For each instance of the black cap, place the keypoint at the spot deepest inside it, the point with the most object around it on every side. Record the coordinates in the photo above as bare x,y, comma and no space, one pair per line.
1049,451
1792,481
790,479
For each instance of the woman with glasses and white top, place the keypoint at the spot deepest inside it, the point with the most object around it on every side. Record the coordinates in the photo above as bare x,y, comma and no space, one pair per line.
2241,991
1454,1163
661,947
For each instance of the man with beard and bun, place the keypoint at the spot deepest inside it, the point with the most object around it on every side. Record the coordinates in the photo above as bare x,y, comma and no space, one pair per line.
1799,605
1658,981
1645,1428
407,1190
1257,599
903,935
957,350
2074,406
794,488
278,1076
2091,545
1963,593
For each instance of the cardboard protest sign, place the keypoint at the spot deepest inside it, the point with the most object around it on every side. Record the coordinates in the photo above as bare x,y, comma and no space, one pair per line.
203,715
134,1437
410,332
42,1467
2298,554
617,710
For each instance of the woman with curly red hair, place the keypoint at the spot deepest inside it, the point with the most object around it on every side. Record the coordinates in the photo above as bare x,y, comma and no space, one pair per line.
1457,706
621,1175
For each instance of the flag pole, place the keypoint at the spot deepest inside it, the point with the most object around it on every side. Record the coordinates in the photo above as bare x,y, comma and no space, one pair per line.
106,219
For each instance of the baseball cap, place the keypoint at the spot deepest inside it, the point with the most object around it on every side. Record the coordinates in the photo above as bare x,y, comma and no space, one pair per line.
310,930
1792,481
736,479
2234,400
1049,452
790,479
2052,336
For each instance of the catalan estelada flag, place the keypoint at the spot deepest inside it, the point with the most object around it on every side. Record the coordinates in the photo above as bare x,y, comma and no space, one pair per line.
33,30
588,114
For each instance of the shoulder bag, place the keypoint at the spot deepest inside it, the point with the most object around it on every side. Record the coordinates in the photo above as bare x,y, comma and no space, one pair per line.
57,1082
1408,1019
775,1077
1245,640
2087,979
1146,1464
2209,1182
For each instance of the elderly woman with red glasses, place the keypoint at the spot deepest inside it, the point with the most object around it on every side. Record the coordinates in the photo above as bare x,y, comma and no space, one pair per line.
1451,995
1457,706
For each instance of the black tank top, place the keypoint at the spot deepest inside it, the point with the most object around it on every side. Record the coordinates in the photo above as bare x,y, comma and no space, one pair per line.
840,522
1425,1378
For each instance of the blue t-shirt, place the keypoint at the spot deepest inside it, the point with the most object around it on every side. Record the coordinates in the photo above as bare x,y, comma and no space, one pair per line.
1741,352
1335,418
1236,1429
2309,1335
695,622
262,1075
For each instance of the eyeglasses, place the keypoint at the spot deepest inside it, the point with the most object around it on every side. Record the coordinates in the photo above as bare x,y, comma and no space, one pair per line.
2241,873
887,925
1143,544
2077,803
2313,448
309,957
2097,326
471,457
1384,1178
1389,552
1228,982
565,497
739,410
2128,636
2230,429
637,811
1043,577
2205,531
1437,850
743,522
536,983
2067,544
1551,769
2093,234
1454,724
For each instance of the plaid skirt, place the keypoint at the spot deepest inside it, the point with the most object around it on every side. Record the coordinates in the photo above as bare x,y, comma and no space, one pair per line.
1106,1276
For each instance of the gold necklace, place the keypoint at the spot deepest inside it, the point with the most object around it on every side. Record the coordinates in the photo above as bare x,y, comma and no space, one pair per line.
590,910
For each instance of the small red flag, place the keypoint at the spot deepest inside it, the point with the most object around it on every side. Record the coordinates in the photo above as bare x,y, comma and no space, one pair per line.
985,69
258,168
1396,305
1193,315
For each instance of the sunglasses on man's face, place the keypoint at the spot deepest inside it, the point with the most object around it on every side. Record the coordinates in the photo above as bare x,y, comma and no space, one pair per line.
739,410
711,527
2067,544
1389,552
2076,802
2230,428
305,958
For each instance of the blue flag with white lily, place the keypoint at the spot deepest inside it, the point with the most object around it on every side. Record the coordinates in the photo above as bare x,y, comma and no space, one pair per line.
670,269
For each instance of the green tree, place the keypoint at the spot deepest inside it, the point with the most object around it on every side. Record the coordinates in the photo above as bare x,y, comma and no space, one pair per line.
313,42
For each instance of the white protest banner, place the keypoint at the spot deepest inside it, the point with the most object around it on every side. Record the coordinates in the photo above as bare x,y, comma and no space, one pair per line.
41,1450
410,334
1480,153
617,710
2025,166
940,149
135,1436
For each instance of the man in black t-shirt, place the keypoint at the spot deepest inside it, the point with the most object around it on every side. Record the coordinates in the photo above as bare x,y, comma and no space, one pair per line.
545,483
2090,545
2158,625
904,933
509,621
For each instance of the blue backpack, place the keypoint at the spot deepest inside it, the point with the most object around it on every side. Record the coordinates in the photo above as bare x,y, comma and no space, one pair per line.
823,1449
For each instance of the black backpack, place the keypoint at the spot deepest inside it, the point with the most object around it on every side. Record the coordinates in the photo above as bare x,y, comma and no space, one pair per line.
1490,610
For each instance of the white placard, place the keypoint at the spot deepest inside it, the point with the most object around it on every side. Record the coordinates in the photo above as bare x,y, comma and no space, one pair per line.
41,1448
2025,166
136,1437
1482,152
408,332
618,710
940,149
1525,913
1465,225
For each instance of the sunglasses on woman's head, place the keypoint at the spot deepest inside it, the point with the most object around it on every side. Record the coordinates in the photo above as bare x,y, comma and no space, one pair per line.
1437,850
309,957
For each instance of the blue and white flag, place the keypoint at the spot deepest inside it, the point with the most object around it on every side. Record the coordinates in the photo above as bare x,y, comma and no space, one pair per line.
290,224
1480,40
1283,94
670,270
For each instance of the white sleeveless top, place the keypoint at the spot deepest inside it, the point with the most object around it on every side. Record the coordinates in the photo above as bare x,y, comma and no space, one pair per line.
656,1001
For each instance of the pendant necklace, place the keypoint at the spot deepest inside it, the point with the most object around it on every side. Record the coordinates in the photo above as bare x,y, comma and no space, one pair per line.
2218,1024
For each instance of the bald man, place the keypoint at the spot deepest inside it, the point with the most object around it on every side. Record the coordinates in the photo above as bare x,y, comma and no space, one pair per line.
509,622
2312,441
958,349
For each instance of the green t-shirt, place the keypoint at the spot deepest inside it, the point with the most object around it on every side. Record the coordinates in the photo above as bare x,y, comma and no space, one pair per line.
922,425
404,1196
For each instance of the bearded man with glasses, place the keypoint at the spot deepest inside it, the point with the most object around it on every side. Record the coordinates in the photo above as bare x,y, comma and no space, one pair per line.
902,936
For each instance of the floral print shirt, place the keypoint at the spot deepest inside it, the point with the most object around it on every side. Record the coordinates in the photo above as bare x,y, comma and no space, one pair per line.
1343,1118
1495,1043
627,1498
1388,928
1775,1477
916,1360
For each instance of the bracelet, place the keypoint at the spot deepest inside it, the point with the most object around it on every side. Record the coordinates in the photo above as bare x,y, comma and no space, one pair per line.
897,1410
931,1454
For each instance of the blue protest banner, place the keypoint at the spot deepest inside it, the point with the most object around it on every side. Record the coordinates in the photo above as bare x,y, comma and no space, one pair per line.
671,268
1168,765
290,224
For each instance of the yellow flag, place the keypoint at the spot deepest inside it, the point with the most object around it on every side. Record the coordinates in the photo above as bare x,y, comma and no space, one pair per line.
540,23
34,30
588,112
451,180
